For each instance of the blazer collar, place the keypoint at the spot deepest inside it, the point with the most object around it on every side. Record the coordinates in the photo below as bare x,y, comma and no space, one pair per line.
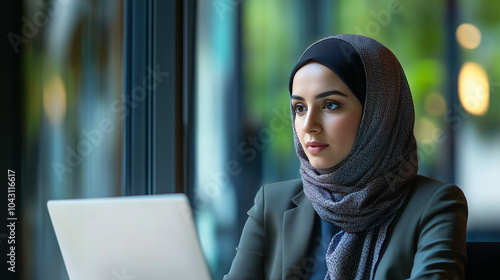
298,229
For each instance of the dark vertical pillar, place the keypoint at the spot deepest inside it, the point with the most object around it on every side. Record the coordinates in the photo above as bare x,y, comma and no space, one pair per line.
452,68
154,96
189,152
308,27
135,162
11,109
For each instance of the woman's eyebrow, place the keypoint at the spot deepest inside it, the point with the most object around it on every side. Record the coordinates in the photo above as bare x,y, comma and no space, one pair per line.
296,97
320,95
328,93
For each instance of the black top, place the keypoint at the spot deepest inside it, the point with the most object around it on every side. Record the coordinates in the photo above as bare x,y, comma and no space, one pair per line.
324,231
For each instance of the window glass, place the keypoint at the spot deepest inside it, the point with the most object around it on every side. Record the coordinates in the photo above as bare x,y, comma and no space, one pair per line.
478,130
214,200
72,103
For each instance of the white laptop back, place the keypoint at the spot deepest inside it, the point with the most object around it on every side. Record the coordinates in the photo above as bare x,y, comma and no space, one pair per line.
125,238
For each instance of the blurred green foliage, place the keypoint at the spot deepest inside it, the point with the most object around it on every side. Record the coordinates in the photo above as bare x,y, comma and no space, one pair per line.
484,15
267,64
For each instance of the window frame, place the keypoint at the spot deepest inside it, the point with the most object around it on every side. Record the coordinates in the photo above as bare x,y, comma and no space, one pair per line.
158,75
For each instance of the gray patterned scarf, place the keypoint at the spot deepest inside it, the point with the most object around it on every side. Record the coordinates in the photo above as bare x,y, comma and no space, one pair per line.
363,193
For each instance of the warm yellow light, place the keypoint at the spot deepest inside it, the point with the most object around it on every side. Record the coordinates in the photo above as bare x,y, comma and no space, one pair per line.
474,88
468,36
54,100
435,104
424,130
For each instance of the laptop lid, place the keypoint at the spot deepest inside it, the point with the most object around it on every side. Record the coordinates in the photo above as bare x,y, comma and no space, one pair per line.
133,237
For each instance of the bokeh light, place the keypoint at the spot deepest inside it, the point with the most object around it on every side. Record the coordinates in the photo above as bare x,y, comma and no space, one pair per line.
424,130
54,100
474,88
468,36
435,104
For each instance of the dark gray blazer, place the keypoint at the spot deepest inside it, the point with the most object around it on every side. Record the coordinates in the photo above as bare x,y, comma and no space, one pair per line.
426,240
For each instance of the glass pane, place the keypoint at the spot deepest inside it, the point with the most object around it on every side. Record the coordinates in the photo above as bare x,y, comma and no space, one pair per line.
478,129
214,190
73,124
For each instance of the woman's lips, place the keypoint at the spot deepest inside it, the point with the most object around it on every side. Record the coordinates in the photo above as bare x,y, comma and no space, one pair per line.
315,147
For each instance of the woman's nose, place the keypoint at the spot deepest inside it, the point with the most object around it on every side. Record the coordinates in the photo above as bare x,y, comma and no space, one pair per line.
312,122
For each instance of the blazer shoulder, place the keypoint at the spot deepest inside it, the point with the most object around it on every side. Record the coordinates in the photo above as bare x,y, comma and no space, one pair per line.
428,231
426,187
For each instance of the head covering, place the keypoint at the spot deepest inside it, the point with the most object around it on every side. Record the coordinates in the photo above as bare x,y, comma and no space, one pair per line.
342,58
363,193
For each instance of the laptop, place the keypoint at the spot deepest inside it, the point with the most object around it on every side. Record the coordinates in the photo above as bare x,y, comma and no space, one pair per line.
131,237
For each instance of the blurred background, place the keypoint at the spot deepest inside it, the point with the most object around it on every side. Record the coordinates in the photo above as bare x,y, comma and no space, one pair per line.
67,75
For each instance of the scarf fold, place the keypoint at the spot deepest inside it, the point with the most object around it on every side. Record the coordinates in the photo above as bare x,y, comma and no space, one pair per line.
363,193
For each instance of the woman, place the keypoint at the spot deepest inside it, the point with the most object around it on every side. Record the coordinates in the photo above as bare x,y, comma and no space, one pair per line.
360,211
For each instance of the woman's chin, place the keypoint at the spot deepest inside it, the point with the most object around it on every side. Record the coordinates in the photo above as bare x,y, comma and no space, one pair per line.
322,164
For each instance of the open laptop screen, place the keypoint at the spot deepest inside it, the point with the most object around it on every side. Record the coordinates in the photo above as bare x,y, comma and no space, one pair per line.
133,237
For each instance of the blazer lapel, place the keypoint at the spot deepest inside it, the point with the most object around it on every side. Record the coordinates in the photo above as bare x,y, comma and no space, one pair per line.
298,226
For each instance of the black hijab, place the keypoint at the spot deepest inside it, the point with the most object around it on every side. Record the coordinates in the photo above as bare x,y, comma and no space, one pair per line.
342,58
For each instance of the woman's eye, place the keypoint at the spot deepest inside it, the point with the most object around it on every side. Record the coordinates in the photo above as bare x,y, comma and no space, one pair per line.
329,105
299,108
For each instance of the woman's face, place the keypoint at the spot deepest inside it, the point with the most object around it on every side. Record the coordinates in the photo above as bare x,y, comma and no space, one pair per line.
327,115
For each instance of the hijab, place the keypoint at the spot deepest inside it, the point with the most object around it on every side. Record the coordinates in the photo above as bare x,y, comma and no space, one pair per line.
363,193
342,58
